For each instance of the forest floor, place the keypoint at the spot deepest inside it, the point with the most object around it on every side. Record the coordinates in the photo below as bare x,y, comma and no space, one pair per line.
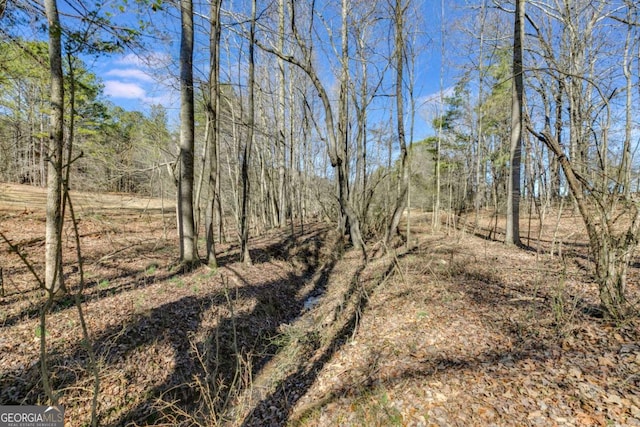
455,330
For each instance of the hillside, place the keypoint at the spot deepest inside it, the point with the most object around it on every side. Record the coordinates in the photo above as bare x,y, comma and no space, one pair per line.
456,330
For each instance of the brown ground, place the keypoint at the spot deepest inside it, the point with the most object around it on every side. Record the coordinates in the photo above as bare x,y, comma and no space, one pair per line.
457,330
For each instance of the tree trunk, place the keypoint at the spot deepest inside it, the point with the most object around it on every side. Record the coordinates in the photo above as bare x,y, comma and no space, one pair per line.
624,177
553,163
335,133
245,256
611,253
213,137
343,141
480,173
513,194
281,121
343,119
612,262
188,249
54,220
401,200
435,223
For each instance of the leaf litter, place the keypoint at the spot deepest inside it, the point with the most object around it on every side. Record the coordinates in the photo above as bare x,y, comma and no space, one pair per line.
457,330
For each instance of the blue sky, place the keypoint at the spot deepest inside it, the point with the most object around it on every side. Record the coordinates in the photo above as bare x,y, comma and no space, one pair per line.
135,83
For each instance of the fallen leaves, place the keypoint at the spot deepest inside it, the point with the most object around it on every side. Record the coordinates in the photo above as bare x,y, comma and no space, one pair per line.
476,342
467,335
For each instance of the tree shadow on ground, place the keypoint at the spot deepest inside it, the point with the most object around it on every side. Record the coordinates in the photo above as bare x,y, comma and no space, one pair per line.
484,290
303,378
180,326
120,279
238,340
423,370
128,280
285,248
534,244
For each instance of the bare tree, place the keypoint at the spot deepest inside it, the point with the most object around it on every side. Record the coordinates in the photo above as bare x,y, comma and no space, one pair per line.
517,97
336,137
438,142
54,220
399,12
480,172
282,197
186,229
246,153
624,176
611,217
213,134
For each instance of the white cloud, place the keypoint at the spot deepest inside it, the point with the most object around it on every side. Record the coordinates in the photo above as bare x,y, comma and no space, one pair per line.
131,74
117,89
133,91
131,59
133,81
154,59
435,100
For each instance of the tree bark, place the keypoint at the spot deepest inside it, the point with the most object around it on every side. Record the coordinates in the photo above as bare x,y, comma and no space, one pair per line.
401,200
282,198
53,236
213,108
187,232
245,256
517,101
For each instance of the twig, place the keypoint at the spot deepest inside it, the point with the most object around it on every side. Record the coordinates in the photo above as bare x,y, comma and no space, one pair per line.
43,341
83,324
16,250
